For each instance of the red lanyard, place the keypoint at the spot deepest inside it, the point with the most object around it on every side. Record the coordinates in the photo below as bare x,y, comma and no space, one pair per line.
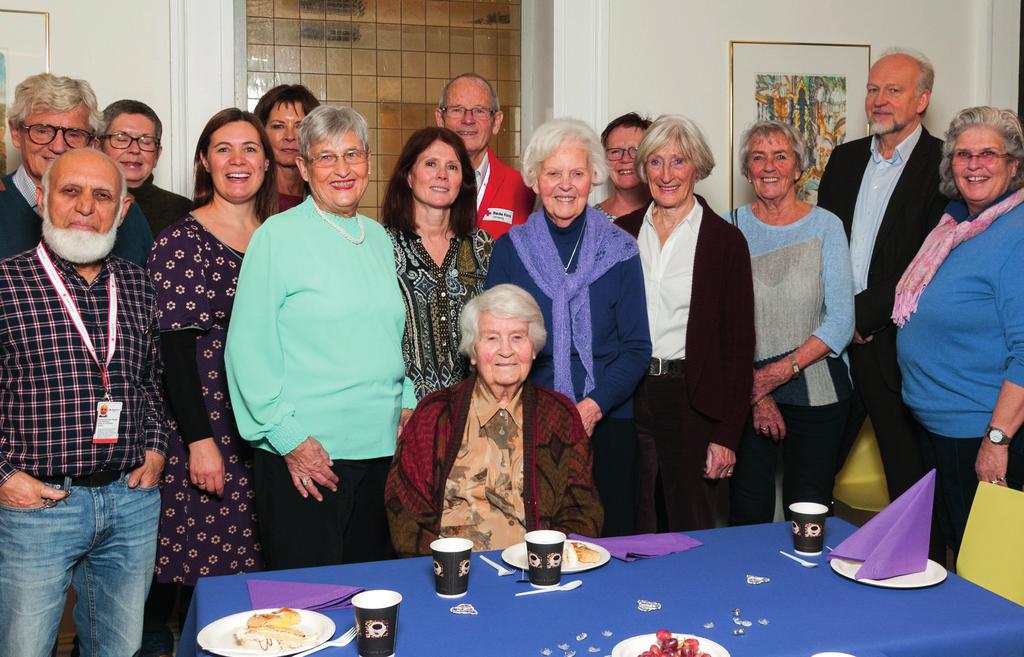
71,308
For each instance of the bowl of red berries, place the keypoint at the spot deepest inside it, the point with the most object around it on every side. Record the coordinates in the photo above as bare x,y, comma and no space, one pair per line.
664,643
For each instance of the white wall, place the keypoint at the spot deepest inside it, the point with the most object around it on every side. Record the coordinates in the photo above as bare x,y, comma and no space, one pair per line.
120,46
673,55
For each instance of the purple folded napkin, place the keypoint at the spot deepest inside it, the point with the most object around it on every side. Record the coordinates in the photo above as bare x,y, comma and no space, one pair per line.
267,593
642,546
895,542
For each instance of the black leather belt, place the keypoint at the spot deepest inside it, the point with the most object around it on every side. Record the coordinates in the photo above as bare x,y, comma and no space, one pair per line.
94,480
661,366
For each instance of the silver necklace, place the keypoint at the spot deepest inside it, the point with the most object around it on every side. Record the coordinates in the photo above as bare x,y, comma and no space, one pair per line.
340,230
573,254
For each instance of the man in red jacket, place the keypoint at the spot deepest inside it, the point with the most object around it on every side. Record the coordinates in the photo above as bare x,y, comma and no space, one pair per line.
469,106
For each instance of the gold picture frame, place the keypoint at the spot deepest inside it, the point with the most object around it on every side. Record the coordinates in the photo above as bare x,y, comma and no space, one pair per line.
817,87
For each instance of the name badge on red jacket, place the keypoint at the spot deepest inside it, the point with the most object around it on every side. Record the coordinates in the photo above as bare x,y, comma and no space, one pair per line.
499,214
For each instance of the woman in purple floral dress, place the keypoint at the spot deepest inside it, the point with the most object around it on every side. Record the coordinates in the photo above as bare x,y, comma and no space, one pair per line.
208,521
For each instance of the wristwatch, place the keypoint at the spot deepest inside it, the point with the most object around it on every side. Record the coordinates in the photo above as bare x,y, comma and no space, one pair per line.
794,365
997,436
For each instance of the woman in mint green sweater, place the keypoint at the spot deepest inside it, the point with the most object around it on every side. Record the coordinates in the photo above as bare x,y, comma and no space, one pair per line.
314,359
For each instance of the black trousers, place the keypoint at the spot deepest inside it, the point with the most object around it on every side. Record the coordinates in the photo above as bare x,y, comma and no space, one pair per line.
809,453
614,445
671,445
898,433
349,526
956,481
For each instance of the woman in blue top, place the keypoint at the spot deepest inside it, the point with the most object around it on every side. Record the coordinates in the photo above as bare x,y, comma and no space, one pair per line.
585,273
803,318
960,309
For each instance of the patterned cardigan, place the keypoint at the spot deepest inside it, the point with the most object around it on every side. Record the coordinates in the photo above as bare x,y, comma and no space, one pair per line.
558,487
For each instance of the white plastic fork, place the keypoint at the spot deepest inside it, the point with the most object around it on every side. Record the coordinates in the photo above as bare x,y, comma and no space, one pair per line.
502,570
803,562
342,640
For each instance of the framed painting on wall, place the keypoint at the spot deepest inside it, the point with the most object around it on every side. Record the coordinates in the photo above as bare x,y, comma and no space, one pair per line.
24,51
818,88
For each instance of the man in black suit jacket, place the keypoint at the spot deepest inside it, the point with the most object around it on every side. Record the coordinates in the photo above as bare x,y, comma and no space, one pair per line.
885,189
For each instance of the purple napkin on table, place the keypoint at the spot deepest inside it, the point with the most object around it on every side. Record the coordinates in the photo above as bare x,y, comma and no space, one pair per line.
267,593
895,542
642,546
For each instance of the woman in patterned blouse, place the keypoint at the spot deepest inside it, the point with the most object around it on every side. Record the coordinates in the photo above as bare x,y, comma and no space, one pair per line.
429,210
207,521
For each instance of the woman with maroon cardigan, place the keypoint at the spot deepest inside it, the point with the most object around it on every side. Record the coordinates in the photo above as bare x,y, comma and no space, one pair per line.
493,457
691,406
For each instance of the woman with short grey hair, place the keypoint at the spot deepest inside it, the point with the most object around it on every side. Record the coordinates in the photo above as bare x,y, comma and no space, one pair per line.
960,315
314,358
803,296
691,404
585,275
503,302
494,456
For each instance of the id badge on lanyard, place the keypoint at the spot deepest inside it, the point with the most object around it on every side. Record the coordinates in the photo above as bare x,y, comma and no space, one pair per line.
108,411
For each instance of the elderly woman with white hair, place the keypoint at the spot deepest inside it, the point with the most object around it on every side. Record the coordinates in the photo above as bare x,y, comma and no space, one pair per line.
494,456
960,309
314,358
585,274
803,302
691,406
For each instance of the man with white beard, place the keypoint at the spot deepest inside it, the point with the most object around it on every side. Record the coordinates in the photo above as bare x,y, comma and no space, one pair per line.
81,420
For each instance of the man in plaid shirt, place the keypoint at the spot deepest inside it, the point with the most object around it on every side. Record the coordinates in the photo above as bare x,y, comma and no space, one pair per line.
82,430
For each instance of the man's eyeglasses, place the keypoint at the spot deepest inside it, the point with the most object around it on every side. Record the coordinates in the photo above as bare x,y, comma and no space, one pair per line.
123,140
616,154
351,156
44,133
985,157
479,113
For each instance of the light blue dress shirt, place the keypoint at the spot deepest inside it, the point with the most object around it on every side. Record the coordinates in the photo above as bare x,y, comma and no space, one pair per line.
876,187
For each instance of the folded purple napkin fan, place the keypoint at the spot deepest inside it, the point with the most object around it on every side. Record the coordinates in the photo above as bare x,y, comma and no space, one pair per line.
267,593
895,542
642,546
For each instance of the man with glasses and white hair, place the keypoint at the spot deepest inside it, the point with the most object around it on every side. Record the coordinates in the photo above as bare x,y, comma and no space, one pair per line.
131,136
81,416
469,107
51,115
885,188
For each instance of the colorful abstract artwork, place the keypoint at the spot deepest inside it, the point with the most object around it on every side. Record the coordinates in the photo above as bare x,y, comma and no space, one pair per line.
816,105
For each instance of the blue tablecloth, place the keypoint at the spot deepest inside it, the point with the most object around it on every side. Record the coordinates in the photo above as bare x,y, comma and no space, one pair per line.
808,609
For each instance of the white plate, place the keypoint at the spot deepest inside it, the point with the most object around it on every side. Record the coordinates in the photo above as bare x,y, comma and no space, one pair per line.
219,636
633,646
515,556
933,574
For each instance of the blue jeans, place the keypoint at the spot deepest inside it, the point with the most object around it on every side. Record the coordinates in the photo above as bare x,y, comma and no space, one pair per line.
101,540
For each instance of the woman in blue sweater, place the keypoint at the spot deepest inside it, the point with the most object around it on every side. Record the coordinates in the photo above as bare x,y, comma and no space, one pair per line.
585,273
960,309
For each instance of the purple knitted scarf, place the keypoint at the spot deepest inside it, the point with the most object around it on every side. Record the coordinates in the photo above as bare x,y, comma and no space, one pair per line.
603,246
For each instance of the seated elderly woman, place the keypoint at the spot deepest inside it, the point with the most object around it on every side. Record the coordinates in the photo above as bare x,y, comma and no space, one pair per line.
961,315
493,457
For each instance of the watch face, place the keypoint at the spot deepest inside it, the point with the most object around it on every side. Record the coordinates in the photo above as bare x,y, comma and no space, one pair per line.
996,436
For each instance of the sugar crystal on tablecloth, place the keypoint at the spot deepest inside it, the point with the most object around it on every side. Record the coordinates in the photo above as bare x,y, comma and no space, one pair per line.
762,621
709,625
738,631
606,633
563,646
593,649
757,579
581,636
464,609
546,652
648,605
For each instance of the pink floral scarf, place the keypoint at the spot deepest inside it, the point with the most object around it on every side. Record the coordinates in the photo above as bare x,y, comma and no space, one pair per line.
945,237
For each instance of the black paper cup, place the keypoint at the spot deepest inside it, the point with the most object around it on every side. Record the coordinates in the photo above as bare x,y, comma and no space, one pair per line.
376,622
451,566
808,527
544,555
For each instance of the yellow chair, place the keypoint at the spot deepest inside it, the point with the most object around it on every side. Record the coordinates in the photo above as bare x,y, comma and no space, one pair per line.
994,542
861,483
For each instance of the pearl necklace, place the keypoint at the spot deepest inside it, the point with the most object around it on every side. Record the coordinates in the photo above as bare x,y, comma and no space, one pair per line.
340,230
